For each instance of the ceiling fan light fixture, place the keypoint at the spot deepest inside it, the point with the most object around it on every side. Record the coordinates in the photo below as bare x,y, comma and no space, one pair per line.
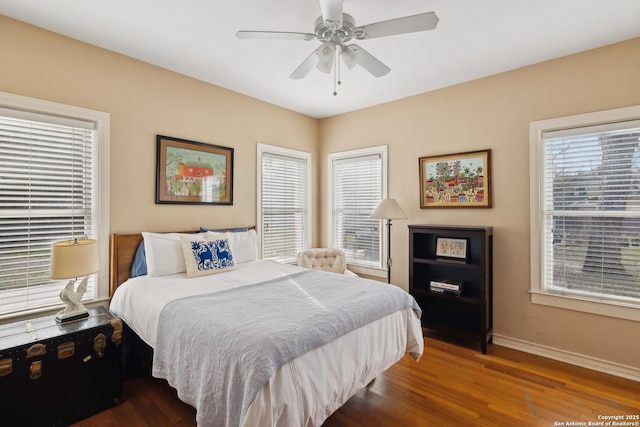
349,56
325,67
326,53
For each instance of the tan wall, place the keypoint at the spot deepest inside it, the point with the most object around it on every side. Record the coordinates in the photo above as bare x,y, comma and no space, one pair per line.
144,101
494,113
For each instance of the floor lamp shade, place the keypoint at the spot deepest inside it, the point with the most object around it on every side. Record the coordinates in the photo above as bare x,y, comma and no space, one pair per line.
71,259
388,209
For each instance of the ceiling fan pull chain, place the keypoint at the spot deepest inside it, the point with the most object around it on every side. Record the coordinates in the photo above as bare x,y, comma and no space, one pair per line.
339,68
336,71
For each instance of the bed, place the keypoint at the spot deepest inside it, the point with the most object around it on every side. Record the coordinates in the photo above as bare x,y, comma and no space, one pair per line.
321,362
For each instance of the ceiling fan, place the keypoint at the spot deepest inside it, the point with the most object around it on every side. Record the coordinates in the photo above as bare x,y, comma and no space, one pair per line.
335,29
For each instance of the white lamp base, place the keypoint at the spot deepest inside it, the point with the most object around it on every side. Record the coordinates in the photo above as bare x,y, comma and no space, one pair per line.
71,297
66,316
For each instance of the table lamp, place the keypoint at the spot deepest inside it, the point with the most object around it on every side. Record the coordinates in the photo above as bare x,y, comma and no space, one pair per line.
71,259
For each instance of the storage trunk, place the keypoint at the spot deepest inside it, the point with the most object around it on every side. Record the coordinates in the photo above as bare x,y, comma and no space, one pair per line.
53,374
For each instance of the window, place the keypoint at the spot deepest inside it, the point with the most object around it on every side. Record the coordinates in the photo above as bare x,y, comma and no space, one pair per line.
586,212
357,183
52,159
284,202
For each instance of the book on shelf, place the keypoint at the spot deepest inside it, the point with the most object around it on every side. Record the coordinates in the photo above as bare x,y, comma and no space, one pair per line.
446,287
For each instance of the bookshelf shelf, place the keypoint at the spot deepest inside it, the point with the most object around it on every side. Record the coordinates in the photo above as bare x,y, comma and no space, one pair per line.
460,299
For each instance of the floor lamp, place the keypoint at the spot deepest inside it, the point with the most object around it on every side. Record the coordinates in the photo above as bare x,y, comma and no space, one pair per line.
388,209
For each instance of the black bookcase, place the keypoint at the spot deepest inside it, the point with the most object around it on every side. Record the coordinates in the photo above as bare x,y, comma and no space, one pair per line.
469,313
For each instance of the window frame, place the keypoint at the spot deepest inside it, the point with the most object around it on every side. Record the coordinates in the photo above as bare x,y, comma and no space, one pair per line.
287,152
539,295
101,173
382,151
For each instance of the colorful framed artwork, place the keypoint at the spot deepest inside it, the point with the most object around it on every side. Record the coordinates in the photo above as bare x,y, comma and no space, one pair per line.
460,180
189,172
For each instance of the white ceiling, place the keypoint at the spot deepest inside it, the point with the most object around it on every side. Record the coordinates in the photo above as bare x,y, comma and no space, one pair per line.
474,38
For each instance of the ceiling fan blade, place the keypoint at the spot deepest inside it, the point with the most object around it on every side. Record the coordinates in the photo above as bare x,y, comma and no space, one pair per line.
331,13
365,60
266,35
306,66
408,24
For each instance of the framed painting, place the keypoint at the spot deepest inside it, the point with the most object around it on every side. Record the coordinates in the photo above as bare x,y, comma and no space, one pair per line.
189,172
451,248
460,180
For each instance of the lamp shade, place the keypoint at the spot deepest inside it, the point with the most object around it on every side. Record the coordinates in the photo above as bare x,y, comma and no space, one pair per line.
74,258
326,52
388,209
349,56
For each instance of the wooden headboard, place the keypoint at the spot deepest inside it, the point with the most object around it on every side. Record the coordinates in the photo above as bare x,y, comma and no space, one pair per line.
123,251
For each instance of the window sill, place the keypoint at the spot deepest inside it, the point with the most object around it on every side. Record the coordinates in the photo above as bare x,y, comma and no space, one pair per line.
585,305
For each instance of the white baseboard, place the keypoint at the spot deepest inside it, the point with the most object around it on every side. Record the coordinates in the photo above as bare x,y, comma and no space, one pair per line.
600,365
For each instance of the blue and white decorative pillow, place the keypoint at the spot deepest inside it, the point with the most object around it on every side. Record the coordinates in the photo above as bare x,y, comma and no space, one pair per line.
204,257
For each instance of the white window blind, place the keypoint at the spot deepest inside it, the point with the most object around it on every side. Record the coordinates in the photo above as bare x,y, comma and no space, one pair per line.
46,195
357,191
591,212
284,203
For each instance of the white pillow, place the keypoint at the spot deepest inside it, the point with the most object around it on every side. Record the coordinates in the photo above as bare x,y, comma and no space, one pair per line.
244,244
164,252
208,256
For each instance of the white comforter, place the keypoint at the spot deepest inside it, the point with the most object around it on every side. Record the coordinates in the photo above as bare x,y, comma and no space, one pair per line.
305,391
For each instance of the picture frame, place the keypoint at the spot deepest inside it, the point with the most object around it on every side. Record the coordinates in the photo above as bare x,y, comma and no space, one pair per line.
447,247
460,180
190,172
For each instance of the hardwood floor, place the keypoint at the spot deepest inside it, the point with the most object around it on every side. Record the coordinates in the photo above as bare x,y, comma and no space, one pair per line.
452,385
